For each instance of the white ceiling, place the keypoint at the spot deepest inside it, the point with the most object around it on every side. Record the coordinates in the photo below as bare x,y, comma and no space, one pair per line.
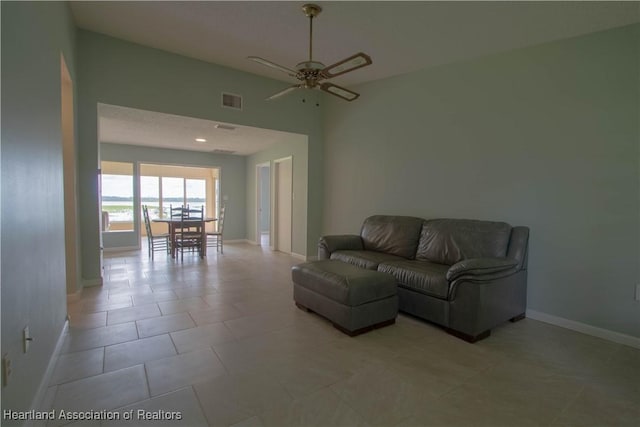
400,37
121,125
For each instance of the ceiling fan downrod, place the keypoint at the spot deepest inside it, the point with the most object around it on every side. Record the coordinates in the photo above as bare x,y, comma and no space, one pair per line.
311,10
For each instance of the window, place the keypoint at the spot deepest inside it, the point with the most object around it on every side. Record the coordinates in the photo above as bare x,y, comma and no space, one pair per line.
172,193
182,192
117,196
150,194
164,186
196,193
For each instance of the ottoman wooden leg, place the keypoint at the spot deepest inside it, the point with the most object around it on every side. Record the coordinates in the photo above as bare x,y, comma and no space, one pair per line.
363,330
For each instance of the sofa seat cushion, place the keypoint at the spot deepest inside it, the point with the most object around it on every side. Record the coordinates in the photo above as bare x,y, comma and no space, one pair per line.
425,277
364,259
344,283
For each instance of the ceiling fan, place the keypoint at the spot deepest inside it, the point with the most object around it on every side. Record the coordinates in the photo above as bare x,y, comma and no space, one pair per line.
313,73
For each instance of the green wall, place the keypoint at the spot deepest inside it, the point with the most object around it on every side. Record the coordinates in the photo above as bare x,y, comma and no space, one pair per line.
297,148
34,34
115,72
545,136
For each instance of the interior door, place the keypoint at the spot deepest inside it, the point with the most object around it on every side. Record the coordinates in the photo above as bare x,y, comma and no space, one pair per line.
283,205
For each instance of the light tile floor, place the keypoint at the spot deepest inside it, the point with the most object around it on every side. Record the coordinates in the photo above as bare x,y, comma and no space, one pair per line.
220,341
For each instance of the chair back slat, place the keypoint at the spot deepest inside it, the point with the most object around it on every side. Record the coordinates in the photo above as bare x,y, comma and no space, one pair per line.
221,219
215,238
176,212
147,222
195,213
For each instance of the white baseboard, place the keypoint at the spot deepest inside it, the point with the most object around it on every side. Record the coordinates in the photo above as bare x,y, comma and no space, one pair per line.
38,400
299,256
92,282
606,334
121,249
75,296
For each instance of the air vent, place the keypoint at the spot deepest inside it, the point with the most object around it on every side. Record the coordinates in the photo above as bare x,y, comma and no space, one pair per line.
225,127
221,151
230,100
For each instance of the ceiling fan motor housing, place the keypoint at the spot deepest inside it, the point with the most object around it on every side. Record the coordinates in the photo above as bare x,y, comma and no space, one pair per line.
310,72
310,66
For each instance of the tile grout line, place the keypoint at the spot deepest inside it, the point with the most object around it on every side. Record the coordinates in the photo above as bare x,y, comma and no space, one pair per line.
344,402
200,405
104,358
175,347
146,377
568,404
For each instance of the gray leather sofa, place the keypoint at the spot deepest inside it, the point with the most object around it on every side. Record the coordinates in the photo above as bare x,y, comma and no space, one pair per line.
466,275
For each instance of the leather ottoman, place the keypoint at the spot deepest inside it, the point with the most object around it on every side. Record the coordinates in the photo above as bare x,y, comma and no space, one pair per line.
354,299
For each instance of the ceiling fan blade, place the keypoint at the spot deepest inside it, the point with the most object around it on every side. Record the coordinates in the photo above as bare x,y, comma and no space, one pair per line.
262,61
284,92
340,92
353,62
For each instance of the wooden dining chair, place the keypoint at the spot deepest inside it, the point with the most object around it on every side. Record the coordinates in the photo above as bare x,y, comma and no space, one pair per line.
189,237
188,212
177,212
214,238
158,242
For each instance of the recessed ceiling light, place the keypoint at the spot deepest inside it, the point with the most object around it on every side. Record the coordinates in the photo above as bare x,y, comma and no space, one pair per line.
201,140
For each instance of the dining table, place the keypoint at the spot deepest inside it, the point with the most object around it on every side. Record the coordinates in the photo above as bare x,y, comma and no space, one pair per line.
176,223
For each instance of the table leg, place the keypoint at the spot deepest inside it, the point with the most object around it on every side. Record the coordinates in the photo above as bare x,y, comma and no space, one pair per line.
203,241
172,232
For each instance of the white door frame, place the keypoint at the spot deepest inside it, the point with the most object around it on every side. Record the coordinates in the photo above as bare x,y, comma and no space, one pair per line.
259,197
72,263
274,204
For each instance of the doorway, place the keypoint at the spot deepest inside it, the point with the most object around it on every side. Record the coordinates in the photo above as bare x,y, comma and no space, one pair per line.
263,204
69,179
283,186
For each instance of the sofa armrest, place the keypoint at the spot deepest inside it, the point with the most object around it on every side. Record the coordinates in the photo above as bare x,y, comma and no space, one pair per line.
495,267
329,244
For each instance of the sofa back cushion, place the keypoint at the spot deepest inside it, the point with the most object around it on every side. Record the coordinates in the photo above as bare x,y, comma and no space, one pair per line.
395,235
447,241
